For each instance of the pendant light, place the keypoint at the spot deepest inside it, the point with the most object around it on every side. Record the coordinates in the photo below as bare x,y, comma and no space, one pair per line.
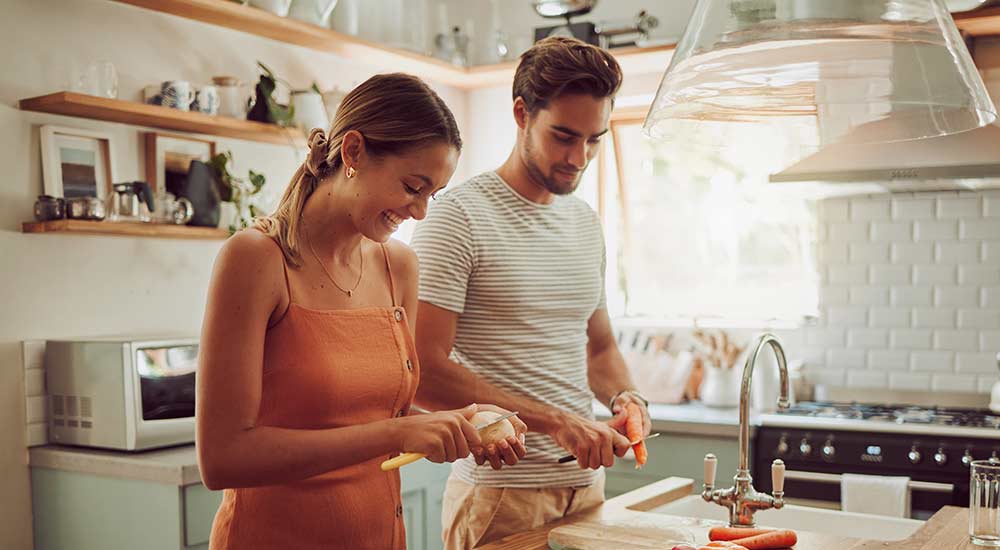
815,72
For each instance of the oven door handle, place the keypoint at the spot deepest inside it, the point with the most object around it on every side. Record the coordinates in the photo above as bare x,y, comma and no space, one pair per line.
817,477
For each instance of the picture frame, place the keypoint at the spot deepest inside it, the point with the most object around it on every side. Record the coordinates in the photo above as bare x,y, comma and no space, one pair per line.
76,162
168,157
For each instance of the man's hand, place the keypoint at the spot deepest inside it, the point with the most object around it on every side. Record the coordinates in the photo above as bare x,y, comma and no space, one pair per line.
506,451
618,422
595,444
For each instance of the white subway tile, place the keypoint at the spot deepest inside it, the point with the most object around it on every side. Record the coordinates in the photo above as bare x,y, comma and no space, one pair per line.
867,379
991,206
891,274
953,382
833,296
978,274
35,410
826,337
870,295
912,295
912,209
932,361
870,209
36,434
869,253
989,340
846,358
907,339
33,354
826,376
991,252
847,274
892,231
963,207
927,230
847,316
934,274
814,357
956,340
956,296
834,210
929,317
847,232
867,338
980,229
909,381
985,384
822,233
889,317
976,363
34,382
991,297
912,253
979,318
958,252
833,253
885,359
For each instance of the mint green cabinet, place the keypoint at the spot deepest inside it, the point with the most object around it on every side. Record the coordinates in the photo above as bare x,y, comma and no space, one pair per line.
423,492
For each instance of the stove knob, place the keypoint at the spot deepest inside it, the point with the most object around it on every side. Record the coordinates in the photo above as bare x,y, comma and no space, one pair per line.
967,458
782,448
914,455
940,458
829,451
805,447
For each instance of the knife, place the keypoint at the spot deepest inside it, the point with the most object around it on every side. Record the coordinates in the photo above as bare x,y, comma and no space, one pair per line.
407,458
571,458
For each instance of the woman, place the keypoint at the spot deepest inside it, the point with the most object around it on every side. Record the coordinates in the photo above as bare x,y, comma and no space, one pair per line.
308,367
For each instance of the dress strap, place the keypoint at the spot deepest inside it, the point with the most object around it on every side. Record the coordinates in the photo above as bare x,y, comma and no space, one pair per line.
388,268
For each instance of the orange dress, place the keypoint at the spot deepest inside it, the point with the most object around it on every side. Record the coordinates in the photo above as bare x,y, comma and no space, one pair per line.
328,369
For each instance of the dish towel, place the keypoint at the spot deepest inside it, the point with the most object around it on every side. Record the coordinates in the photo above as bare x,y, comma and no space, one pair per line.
879,495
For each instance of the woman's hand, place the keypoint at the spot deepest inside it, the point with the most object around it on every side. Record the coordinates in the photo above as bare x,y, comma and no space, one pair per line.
506,451
444,436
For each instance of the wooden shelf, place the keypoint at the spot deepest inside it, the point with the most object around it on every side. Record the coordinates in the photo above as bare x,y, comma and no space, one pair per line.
89,227
984,22
262,23
155,116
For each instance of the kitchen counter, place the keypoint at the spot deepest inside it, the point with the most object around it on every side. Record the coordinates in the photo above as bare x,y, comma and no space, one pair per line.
692,418
174,465
628,522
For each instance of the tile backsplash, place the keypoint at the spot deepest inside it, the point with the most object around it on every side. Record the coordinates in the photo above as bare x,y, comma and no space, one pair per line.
910,292
35,400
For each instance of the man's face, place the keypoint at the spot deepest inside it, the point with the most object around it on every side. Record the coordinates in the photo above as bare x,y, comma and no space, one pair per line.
561,139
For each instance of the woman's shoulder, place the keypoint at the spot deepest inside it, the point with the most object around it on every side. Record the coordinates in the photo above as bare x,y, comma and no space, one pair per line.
402,258
251,251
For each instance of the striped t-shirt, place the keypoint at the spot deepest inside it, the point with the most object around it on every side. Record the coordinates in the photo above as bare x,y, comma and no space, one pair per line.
525,278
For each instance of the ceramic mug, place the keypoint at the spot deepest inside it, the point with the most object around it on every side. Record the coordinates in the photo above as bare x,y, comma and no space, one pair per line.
176,94
206,100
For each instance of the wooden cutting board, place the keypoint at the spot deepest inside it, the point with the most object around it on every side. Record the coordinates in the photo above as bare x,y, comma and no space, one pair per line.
618,534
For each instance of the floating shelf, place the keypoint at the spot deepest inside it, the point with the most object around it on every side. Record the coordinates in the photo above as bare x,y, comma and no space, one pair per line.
155,116
262,23
984,22
89,227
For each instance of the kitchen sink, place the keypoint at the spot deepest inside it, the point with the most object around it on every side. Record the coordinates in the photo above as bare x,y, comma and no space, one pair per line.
801,518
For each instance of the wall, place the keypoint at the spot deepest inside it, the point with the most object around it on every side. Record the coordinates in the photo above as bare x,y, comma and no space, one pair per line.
54,286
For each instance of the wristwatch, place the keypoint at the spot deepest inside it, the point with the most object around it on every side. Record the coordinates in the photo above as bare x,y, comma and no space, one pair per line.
611,404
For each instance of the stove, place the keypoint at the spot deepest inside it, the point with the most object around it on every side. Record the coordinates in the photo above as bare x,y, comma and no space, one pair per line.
820,440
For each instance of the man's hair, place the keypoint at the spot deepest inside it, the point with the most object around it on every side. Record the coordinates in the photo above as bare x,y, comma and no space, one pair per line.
558,65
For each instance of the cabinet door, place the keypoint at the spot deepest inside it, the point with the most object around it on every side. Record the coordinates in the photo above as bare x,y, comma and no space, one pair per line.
414,516
200,506
681,455
423,489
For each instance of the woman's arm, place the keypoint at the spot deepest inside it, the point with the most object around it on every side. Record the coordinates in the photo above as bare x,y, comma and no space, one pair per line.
246,290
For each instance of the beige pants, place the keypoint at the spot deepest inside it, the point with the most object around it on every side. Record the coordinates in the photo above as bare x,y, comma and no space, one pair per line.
474,515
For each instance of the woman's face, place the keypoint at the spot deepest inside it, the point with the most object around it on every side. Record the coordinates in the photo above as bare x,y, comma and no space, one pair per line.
392,189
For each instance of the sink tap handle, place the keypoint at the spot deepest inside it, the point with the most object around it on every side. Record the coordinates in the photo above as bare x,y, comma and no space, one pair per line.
711,463
778,477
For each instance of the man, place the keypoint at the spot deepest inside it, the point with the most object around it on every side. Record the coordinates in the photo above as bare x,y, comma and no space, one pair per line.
512,306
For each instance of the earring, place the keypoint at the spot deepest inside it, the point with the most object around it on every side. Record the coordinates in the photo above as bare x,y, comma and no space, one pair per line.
350,172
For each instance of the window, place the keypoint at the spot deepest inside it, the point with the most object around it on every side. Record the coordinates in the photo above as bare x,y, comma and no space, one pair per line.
700,234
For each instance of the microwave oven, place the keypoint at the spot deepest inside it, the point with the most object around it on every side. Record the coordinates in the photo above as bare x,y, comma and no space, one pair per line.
119,393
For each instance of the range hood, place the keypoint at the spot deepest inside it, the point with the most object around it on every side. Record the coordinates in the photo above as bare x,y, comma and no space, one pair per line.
963,161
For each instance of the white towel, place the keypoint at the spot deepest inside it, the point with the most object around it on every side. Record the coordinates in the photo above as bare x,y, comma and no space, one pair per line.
879,495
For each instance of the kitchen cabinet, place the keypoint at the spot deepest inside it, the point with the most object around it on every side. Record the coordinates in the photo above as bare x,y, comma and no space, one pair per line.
674,454
81,511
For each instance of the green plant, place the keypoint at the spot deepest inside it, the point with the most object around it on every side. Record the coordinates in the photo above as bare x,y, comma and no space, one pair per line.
266,108
236,190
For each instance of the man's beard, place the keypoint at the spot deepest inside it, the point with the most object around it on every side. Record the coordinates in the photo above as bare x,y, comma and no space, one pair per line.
546,181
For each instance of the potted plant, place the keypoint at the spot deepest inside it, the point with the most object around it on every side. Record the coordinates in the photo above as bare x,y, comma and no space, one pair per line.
266,107
238,208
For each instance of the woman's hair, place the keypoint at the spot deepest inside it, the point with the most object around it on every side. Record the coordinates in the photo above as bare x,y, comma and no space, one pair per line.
560,65
394,112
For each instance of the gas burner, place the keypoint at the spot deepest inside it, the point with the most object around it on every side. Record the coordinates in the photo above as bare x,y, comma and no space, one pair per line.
899,414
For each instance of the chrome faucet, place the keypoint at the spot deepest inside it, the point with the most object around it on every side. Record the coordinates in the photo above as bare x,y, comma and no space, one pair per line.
742,500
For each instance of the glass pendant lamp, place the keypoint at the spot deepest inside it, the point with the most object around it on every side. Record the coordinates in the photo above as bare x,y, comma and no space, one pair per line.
816,72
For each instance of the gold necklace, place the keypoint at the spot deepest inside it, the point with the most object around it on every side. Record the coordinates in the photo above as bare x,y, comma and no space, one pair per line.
361,270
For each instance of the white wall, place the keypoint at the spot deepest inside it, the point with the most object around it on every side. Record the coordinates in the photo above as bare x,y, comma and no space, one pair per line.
54,286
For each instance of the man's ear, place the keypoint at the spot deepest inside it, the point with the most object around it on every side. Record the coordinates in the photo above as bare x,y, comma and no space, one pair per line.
352,149
520,113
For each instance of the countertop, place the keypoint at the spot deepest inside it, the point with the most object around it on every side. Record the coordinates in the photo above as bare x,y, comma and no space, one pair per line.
692,418
173,465
628,516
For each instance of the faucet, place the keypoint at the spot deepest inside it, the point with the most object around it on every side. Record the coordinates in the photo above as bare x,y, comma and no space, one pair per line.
742,500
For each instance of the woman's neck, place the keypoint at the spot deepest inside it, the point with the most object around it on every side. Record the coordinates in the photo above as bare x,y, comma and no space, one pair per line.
328,227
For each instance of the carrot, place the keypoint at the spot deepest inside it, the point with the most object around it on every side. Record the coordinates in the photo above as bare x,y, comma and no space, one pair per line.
722,545
734,533
633,430
769,541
